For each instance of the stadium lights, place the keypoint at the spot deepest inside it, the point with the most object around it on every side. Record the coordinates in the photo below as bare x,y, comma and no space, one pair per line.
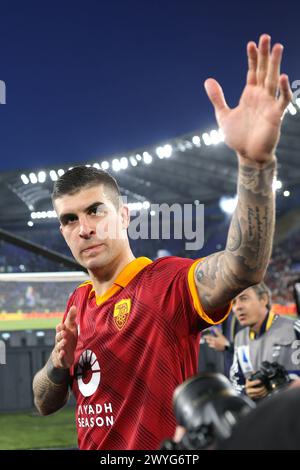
228,204
105,165
53,175
43,215
24,179
51,214
133,161
147,158
277,184
196,141
123,163
206,138
42,176
164,151
215,137
33,178
116,165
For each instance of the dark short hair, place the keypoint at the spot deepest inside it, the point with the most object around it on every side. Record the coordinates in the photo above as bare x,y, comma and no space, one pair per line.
81,177
262,289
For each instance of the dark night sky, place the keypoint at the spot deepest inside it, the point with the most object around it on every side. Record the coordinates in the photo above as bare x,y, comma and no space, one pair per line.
86,80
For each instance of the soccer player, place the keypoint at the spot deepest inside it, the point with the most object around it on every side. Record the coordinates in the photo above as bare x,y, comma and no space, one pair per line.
130,335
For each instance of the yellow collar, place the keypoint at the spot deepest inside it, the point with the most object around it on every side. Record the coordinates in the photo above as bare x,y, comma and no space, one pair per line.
271,317
123,278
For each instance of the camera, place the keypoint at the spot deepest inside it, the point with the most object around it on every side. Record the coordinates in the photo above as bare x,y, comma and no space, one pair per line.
272,375
208,407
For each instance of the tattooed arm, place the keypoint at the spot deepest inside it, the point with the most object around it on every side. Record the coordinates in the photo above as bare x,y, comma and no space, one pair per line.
50,388
51,384
252,129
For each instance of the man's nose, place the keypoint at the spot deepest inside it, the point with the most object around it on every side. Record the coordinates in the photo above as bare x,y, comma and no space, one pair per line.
86,230
237,306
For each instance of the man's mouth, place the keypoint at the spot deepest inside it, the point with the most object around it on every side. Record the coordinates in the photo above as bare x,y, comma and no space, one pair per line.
90,248
242,317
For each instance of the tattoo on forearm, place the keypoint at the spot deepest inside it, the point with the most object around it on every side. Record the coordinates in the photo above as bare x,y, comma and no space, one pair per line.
56,375
223,275
235,234
49,396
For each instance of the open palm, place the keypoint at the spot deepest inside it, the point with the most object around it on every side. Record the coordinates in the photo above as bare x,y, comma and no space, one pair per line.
252,129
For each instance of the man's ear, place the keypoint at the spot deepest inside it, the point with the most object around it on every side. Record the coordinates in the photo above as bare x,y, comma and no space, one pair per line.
265,299
125,215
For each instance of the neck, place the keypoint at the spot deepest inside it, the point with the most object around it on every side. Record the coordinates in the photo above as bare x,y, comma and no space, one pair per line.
256,328
103,278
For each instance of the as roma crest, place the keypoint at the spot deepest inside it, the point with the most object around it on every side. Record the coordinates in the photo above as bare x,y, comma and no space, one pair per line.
121,313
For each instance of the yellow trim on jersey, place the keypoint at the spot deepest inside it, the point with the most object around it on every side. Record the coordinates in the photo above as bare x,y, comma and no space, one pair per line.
100,299
124,277
85,283
131,270
194,293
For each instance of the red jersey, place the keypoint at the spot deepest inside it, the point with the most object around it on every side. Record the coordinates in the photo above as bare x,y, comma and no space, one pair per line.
136,344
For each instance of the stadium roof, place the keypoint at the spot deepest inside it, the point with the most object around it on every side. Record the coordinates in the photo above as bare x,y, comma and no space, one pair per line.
192,167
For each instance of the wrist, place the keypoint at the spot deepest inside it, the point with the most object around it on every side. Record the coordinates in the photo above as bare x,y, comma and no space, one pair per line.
57,375
260,165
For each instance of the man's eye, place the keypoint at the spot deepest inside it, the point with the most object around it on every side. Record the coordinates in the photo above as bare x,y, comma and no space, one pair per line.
98,211
70,220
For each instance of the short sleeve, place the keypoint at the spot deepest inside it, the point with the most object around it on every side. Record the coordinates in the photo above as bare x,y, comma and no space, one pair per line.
178,296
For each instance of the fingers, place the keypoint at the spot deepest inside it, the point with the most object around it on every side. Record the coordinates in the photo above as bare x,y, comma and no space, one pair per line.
253,383
217,332
272,78
252,63
264,68
70,320
216,96
60,327
286,95
210,341
263,58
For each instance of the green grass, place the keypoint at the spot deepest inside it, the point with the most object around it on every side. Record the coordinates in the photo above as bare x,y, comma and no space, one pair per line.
34,324
30,431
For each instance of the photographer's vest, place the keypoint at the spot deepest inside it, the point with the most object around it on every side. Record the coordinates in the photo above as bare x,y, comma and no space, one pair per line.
277,344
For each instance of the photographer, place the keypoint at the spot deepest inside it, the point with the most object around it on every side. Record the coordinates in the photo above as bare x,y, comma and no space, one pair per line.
217,346
273,425
267,337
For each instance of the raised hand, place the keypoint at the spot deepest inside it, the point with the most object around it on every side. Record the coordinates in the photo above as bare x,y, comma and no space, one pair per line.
252,129
65,341
218,342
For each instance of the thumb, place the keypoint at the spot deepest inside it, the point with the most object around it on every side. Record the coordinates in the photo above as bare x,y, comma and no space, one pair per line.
70,320
215,94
